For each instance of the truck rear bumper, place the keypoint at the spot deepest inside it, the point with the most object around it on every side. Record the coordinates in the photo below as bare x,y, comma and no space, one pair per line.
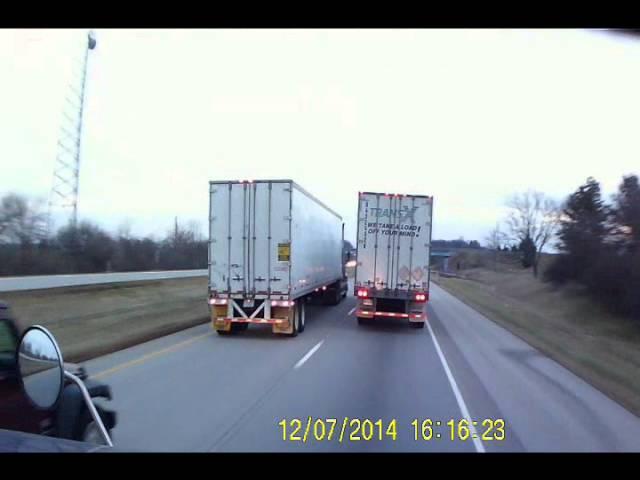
224,320
413,317
278,318
278,325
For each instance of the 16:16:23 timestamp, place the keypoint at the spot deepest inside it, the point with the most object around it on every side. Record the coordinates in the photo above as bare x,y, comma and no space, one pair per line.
486,430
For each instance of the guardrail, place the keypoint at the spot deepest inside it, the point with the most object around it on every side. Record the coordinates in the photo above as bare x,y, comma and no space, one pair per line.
39,282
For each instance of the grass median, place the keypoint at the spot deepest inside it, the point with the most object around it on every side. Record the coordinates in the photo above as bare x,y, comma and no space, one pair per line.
565,324
93,320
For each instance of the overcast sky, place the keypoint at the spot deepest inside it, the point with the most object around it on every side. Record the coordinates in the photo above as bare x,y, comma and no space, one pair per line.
468,116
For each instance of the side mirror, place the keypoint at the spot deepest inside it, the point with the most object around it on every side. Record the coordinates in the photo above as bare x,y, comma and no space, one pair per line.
42,374
40,366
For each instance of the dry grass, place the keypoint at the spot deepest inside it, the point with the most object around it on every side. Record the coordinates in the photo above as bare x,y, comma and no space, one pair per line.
564,323
90,321
469,258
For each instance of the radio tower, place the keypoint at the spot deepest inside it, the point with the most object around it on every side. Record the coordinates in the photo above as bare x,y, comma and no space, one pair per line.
66,172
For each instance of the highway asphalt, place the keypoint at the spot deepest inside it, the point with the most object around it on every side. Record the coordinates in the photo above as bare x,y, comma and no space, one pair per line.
198,391
37,282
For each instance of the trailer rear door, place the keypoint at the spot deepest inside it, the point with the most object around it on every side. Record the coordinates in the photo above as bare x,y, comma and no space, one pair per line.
249,238
394,235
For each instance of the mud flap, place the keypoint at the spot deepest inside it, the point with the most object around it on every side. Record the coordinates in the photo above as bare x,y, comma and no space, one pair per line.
218,323
284,328
221,325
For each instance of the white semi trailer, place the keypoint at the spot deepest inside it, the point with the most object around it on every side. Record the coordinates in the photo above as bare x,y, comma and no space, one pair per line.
272,247
393,257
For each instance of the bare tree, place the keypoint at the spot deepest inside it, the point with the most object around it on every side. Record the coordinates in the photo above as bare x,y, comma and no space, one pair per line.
22,225
21,221
183,247
89,247
532,216
195,228
495,240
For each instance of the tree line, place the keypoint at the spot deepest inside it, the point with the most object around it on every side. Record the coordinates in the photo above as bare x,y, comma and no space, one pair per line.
599,244
25,249
598,241
459,243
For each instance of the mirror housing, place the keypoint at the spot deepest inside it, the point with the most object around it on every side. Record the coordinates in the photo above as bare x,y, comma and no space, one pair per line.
40,367
42,374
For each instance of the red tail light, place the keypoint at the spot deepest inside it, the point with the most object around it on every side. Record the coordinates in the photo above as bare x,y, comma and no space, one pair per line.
421,297
362,293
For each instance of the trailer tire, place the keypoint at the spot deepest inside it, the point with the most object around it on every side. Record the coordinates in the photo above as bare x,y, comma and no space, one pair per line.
335,298
417,324
239,327
224,332
302,314
363,321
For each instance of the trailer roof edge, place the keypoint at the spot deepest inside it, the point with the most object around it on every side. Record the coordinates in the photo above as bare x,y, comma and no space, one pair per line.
296,185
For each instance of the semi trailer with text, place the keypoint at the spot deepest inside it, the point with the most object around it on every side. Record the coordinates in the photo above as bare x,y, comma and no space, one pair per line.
272,247
393,257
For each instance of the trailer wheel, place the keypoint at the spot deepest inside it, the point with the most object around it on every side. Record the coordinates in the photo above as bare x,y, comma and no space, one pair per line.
363,321
417,324
302,315
334,299
224,332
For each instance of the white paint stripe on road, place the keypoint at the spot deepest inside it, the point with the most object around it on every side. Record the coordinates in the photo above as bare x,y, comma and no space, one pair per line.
308,355
454,386
351,311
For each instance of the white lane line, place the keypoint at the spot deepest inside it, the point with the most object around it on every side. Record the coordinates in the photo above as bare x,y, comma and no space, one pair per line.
454,386
308,355
351,311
